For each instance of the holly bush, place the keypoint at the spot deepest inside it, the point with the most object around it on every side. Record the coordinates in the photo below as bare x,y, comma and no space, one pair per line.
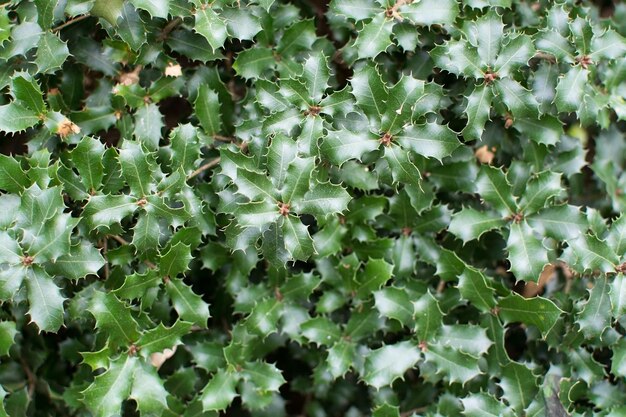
307,207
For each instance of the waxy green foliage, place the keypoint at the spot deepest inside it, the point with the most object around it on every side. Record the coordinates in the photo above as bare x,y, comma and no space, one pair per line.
345,207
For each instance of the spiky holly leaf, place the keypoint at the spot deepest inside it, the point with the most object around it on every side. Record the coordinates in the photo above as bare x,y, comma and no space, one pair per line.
538,311
451,363
219,392
469,224
595,317
388,363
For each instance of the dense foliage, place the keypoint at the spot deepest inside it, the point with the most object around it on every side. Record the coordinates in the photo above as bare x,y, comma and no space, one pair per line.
302,207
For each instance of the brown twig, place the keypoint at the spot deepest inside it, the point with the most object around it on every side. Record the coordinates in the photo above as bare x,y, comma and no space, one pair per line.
208,165
30,377
70,22
167,29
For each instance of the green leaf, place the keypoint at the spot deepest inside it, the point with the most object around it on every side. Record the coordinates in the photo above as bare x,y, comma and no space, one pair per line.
428,317
527,254
81,260
282,151
148,125
388,363
515,54
455,365
340,358
494,188
466,338
473,287
370,92
298,242
27,92
188,304
207,107
403,170
431,12
148,391
105,395
595,316
45,300
107,210
253,185
375,37
591,253
538,311
519,385
12,177
570,90
323,199
376,273
395,303
110,10
192,45
15,118
315,76
254,62
220,391
266,377
617,295
341,146
540,190
477,110
156,8
562,222
209,25
469,224
484,405
431,140
517,99
321,331
160,338
7,336
130,27
137,167
87,158
355,9
51,53
113,317
176,260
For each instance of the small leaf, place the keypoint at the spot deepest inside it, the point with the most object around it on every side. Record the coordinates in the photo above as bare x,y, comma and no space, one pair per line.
114,318
537,311
15,118
7,336
220,391
376,273
209,25
160,338
340,358
431,140
51,53
527,254
431,12
188,304
207,106
455,365
469,224
395,303
105,395
298,242
45,300
596,314
323,199
388,363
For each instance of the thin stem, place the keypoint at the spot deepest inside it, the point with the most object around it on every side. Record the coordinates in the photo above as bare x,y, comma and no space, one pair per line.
70,22
30,377
208,165
169,27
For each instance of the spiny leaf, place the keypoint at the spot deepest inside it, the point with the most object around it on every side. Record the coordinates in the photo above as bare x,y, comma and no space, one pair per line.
537,311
